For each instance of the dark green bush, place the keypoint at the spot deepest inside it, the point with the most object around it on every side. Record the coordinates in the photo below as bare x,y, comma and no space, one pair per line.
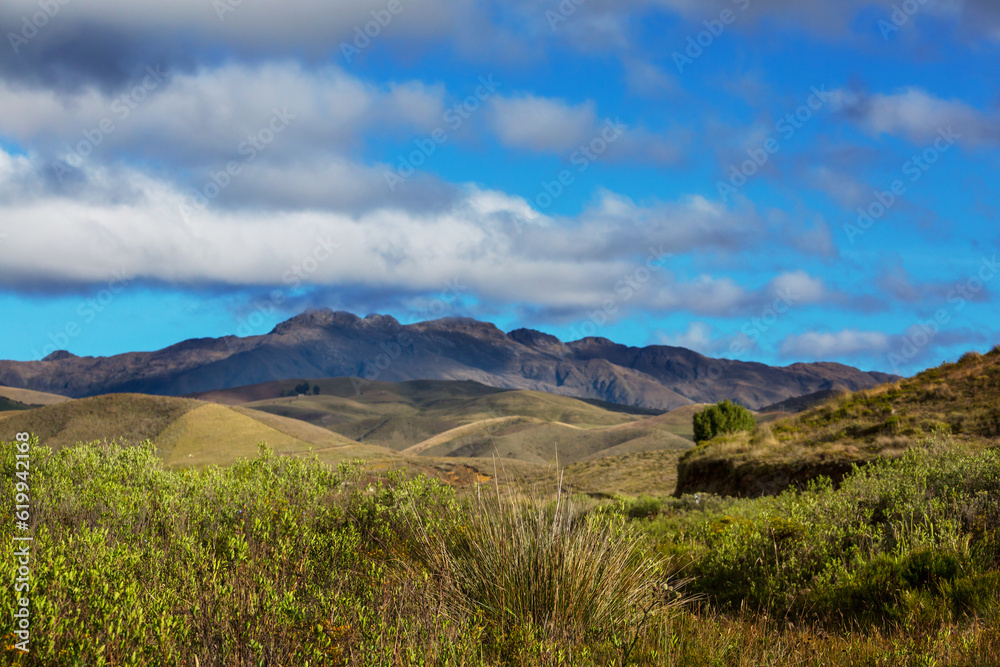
875,590
978,594
724,417
929,568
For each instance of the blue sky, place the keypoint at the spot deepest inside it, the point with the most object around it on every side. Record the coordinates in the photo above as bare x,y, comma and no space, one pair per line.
651,171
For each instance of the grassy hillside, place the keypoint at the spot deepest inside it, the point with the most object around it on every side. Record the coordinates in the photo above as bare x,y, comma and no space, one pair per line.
535,440
32,398
7,405
468,420
960,399
135,417
415,393
186,432
193,433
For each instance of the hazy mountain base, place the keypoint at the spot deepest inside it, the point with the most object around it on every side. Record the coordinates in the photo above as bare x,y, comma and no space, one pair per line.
283,561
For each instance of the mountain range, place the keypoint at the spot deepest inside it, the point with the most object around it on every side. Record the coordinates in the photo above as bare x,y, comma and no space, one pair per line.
325,344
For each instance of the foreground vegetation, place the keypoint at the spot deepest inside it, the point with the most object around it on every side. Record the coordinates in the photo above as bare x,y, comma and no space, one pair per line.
285,561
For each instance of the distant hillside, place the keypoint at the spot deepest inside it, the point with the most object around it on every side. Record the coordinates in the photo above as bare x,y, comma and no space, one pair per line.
31,398
7,405
801,403
325,344
185,431
440,418
959,400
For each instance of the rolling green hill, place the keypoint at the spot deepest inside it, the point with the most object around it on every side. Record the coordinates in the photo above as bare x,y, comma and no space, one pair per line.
955,403
185,431
468,420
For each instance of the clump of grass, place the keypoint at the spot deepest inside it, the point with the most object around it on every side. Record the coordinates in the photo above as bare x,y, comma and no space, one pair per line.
515,561
764,436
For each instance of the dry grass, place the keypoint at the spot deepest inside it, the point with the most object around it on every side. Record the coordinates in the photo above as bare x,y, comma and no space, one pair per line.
957,398
29,397
135,417
555,566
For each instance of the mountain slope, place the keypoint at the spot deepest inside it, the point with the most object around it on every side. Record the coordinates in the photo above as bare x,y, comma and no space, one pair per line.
955,403
324,343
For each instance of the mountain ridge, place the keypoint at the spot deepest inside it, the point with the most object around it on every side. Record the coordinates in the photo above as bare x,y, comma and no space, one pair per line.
327,343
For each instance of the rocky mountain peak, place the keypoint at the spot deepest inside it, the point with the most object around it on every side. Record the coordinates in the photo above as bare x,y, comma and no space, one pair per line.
464,324
59,355
533,338
316,318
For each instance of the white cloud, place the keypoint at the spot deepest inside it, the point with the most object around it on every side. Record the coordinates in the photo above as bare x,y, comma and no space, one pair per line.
799,287
129,220
648,80
825,345
201,118
308,24
614,222
842,187
918,116
549,125
542,124
696,337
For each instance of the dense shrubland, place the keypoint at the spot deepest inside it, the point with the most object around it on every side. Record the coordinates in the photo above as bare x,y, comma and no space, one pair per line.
283,561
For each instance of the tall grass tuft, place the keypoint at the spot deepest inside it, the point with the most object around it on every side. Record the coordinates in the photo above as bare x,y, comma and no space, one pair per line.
516,561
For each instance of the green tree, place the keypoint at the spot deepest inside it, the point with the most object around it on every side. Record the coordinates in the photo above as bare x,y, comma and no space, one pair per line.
724,417
316,390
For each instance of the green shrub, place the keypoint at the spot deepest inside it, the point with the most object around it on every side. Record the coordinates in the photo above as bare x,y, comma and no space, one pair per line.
976,595
900,539
929,568
724,417
279,560
643,507
874,590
